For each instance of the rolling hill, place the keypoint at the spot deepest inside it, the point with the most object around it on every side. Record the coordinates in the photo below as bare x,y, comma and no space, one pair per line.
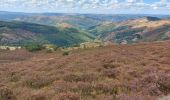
144,29
23,33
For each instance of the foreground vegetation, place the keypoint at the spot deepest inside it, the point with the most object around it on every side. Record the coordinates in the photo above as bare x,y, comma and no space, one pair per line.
117,72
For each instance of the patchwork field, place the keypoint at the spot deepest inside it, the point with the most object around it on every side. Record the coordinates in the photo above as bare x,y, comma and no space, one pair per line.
115,72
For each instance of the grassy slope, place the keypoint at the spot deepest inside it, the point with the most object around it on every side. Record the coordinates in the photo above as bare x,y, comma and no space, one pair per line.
41,34
131,72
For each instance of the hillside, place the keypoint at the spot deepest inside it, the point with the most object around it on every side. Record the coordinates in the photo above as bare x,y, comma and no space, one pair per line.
116,72
23,33
134,30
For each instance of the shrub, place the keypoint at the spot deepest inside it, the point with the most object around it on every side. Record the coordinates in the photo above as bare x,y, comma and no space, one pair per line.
164,84
80,78
111,73
39,97
66,53
15,78
84,88
50,48
49,51
134,97
105,97
75,45
54,47
34,47
111,65
6,94
60,86
67,96
103,88
88,77
71,78
38,81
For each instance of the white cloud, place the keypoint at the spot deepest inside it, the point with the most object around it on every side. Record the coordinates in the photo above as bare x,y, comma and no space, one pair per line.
162,4
163,0
83,4
131,1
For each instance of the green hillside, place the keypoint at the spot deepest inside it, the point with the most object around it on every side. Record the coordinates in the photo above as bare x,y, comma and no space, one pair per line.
24,33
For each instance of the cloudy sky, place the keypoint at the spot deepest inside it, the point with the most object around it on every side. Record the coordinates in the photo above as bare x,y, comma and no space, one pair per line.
88,6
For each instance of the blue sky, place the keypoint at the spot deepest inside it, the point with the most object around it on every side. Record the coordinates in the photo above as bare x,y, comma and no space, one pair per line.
88,6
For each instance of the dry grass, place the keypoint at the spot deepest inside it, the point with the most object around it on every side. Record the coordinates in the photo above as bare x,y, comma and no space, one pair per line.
103,73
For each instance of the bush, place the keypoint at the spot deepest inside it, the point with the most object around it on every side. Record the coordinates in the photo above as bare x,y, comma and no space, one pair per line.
85,88
80,78
67,96
39,97
66,53
34,47
105,97
6,94
111,73
54,47
62,86
49,51
50,48
111,65
164,84
15,78
134,97
38,81
75,45
102,88
71,78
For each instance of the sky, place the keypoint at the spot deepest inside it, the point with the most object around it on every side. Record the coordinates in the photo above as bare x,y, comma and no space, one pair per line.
88,6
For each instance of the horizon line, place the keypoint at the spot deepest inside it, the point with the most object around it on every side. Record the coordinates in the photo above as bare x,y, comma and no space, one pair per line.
89,13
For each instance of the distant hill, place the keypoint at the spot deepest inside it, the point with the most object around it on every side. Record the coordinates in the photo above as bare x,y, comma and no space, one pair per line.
24,33
78,21
75,21
135,30
84,21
